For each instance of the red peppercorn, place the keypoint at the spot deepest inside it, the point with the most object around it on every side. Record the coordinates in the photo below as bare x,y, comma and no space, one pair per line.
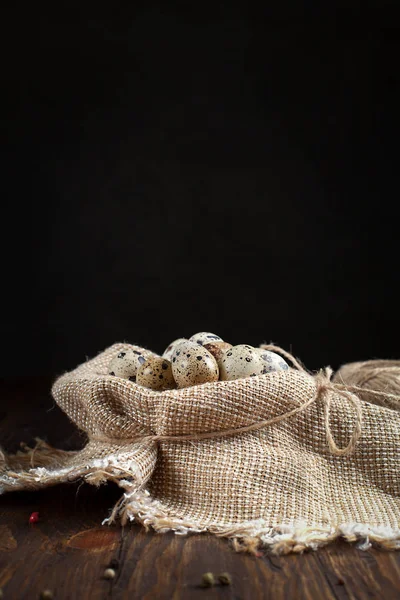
34,518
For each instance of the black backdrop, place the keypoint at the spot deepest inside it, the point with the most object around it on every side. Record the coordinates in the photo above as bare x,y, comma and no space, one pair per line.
169,171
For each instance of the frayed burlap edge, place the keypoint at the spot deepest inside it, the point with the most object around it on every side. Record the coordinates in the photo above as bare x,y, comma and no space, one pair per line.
46,466
253,536
43,466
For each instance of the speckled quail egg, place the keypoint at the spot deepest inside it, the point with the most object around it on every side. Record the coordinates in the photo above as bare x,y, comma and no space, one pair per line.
217,349
204,337
192,364
127,363
168,352
156,373
272,361
241,361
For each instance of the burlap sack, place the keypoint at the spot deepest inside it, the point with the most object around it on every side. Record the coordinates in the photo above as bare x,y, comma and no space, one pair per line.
286,460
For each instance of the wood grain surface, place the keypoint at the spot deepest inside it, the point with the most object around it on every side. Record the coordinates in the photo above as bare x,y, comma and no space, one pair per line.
68,550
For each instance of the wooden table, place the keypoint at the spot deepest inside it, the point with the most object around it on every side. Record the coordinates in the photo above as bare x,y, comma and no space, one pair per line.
68,550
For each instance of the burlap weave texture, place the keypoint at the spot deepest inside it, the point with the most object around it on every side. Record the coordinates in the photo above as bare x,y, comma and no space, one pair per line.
278,485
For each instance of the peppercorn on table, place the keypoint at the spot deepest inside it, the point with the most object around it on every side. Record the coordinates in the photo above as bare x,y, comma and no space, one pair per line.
63,551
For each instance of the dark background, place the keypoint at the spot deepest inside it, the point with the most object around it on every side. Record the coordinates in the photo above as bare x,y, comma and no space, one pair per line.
169,170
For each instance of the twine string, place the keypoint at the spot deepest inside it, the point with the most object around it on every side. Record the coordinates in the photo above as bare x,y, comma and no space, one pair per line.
324,386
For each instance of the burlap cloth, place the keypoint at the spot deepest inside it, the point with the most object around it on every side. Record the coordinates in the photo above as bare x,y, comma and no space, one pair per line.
286,460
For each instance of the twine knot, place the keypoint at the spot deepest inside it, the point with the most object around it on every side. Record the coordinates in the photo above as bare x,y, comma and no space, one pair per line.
324,387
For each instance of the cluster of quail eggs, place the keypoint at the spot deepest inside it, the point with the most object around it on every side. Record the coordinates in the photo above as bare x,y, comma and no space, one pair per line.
204,357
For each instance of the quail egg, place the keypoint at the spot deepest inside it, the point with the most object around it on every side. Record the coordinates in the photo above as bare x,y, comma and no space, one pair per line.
217,349
156,373
168,352
127,363
241,361
272,361
204,337
192,364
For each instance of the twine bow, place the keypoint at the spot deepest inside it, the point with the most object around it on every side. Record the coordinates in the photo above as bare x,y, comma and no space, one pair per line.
324,386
